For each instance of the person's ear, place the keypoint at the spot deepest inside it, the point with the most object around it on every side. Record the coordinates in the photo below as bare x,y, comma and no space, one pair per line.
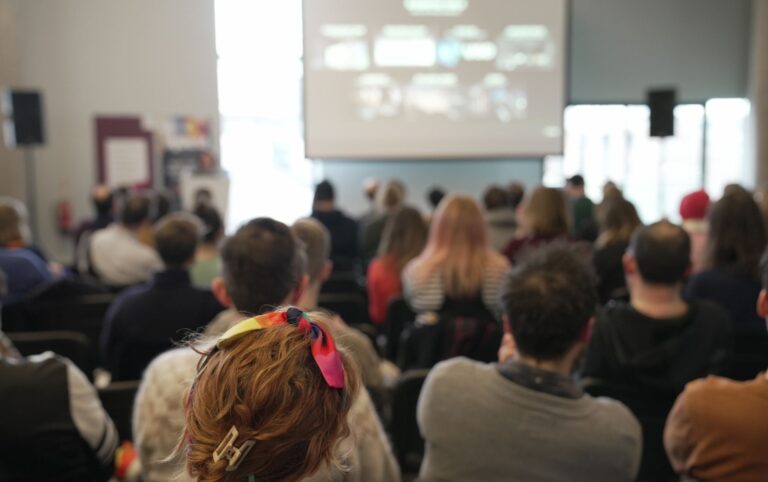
326,272
300,289
220,292
762,304
630,264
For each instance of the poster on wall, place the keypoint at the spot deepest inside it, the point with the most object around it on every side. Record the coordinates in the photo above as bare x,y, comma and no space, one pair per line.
124,152
187,146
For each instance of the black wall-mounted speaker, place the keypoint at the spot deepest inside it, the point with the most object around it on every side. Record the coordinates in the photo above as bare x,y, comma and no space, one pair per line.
662,104
23,118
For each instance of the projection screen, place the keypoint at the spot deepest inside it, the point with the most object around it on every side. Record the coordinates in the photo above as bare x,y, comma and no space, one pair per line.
411,79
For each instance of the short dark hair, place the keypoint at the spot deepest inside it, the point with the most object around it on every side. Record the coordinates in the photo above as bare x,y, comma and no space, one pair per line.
324,192
135,210
515,193
261,265
577,180
662,251
103,201
176,238
211,219
435,195
548,298
495,198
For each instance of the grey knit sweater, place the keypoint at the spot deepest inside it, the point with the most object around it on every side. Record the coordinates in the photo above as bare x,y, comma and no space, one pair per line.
480,426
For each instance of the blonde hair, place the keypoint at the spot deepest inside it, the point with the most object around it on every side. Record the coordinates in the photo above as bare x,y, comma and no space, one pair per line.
13,222
458,246
267,385
617,219
546,212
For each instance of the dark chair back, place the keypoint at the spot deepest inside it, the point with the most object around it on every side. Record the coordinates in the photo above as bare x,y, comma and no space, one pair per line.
352,307
118,399
69,344
464,328
651,409
399,316
131,359
406,437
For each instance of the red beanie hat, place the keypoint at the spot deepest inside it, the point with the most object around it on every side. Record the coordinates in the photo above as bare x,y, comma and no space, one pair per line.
695,205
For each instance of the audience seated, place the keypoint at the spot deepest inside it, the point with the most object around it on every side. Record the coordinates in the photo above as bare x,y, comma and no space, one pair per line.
458,264
525,419
238,430
53,426
718,428
117,255
371,186
103,204
389,198
541,218
737,237
515,193
148,319
649,342
584,227
434,196
500,216
317,244
617,219
404,238
693,211
343,229
262,267
207,263
24,268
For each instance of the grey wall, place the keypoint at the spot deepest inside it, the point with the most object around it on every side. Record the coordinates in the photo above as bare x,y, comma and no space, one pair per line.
621,47
92,57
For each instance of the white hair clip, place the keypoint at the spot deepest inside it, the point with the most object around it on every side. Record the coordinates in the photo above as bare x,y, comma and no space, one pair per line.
227,450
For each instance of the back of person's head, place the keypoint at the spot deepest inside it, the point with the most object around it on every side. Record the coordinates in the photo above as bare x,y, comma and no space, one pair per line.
176,239
214,227
576,181
611,191
269,394
404,237
546,213
617,219
162,204
495,198
515,193
662,252
548,299
324,192
102,200
390,196
13,224
370,187
135,211
435,195
694,206
317,244
737,234
261,265
458,245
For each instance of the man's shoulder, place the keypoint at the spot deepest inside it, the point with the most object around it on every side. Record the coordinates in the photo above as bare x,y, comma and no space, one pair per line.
459,369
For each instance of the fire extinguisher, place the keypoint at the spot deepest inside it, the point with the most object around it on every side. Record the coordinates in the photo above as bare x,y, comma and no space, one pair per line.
64,216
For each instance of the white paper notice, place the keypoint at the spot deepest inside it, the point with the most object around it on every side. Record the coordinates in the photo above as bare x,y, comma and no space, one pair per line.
127,161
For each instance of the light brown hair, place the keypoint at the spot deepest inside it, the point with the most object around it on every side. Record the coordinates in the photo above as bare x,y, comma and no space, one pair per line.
267,385
546,212
317,242
617,219
404,237
458,246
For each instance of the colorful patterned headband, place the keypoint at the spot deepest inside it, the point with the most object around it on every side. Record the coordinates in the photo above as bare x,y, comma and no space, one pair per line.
323,348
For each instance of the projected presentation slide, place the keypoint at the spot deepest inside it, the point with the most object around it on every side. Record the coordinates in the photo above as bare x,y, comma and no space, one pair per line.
407,79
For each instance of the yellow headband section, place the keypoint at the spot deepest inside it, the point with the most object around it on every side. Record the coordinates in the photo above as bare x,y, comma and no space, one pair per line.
241,329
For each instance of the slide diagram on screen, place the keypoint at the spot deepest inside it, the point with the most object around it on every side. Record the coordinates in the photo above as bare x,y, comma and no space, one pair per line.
490,72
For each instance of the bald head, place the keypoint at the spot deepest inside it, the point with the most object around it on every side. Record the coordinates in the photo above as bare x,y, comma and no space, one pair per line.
662,251
317,242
